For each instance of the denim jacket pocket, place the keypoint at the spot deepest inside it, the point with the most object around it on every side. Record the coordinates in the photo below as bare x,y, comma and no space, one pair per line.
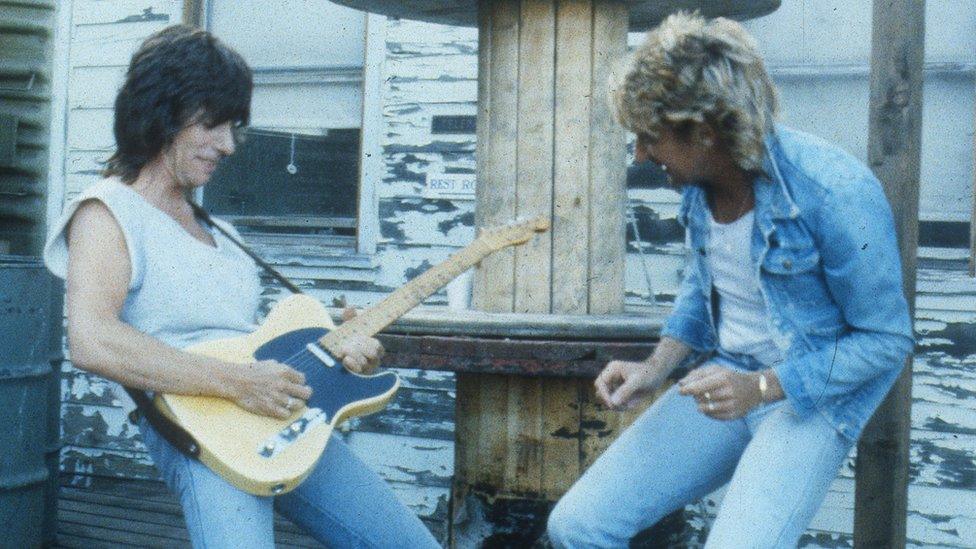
789,261
795,279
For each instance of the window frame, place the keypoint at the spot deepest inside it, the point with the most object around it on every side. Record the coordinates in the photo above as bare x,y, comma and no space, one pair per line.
338,252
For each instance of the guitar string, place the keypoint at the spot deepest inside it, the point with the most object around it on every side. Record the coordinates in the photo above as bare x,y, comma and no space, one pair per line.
298,354
302,359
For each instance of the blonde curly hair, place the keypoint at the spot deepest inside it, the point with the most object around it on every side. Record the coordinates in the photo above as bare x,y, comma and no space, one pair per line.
692,71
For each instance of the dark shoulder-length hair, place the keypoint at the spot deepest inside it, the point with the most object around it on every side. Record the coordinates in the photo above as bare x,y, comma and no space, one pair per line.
180,75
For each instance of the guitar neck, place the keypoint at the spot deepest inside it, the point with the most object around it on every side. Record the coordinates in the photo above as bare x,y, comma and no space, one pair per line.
370,322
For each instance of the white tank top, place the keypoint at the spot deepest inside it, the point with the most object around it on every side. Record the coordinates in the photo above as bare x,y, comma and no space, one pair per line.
742,317
182,291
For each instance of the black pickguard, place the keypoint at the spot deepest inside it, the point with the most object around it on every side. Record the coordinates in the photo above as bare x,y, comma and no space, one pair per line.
332,387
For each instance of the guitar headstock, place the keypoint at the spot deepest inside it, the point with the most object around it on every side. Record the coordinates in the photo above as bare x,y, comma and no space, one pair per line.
513,234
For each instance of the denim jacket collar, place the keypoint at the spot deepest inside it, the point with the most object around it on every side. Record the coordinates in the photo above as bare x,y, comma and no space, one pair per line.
773,199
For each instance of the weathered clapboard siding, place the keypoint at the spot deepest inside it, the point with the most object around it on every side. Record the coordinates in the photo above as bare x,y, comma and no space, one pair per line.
937,517
425,79
431,70
103,36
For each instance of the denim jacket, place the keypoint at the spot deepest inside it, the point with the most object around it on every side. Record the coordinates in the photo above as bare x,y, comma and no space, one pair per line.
829,271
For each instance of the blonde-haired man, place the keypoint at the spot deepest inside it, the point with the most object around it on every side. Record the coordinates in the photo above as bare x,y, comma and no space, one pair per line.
792,299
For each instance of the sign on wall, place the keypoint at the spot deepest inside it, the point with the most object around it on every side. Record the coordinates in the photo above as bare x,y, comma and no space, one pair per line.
450,185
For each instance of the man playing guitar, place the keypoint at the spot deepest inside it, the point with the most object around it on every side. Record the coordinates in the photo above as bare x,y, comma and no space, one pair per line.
146,278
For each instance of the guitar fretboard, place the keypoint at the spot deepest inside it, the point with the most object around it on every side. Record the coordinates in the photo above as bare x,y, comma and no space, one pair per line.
370,322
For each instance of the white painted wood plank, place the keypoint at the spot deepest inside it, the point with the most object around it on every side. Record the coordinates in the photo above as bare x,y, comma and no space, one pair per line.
938,281
85,163
444,65
112,44
405,459
95,87
85,388
409,124
425,501
943,415
937,516
946,254
75,184
427,379
415,91
97,461
101,12
937,303
407,225
102,427
406,174
371,161
90,130
407,37
59,99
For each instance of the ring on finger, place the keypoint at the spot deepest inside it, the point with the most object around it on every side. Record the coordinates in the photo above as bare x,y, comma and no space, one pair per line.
710,405
291,403
708,396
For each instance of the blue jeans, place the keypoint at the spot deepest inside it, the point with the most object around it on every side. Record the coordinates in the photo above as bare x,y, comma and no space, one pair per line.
342,503
778,466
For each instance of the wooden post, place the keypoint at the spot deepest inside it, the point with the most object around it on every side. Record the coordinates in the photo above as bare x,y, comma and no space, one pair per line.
972,213
193,12
546,145
894,150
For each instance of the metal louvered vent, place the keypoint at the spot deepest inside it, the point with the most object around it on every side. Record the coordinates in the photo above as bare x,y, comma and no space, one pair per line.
26,49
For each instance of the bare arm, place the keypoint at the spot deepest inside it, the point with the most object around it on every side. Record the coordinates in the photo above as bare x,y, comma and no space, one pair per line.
99,273
668,354
622,383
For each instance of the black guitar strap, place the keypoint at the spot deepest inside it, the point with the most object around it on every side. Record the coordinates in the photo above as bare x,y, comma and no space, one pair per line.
171,431
202,214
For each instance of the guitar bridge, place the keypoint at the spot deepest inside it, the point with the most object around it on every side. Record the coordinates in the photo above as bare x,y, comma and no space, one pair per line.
295,430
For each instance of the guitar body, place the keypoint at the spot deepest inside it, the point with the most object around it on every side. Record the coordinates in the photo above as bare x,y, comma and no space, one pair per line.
269,456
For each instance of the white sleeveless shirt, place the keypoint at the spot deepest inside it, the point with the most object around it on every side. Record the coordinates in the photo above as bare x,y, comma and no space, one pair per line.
182,291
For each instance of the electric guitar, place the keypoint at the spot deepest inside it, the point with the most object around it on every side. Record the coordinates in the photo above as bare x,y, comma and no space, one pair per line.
270,456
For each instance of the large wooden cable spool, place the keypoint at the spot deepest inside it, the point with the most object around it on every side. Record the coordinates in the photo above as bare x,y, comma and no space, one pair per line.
528,354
